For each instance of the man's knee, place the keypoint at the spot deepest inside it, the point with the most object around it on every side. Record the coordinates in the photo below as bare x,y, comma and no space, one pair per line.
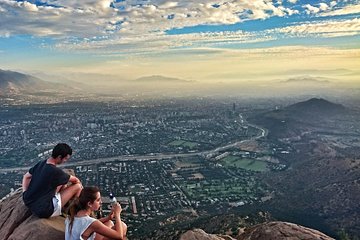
73,189
77,188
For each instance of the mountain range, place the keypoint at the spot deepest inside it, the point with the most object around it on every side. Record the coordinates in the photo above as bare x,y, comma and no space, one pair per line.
160,79
18,83
308,80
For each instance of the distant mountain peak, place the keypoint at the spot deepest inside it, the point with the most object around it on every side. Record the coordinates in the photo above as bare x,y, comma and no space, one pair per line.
308,79
316,105
160,78
293,120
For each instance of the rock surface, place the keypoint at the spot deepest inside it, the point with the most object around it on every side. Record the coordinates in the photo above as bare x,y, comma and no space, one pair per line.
199,234
281,230
264,231
17,222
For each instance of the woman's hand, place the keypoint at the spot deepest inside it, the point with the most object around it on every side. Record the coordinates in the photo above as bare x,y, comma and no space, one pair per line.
116,209
111,215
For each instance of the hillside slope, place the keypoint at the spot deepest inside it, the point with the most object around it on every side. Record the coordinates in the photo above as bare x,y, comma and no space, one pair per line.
320,186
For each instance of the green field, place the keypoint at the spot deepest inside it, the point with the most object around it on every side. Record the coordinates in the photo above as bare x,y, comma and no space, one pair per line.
188,162
247,164
183,143
190,144
176,143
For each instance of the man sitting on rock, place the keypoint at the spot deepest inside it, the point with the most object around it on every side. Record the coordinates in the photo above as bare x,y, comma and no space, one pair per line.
44,185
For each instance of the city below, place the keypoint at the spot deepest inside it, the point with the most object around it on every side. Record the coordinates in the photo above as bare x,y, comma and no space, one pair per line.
166,161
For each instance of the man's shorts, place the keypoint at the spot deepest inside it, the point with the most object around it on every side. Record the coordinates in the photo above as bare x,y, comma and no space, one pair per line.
57,205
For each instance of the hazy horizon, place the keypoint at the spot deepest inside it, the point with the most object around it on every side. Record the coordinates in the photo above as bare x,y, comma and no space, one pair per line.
279,45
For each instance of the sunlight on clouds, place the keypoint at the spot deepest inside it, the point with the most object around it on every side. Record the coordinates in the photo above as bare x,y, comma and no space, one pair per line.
93,18
196,39
325,10
311,9
323,6
325,28
349,9
29,6
168,4
156,43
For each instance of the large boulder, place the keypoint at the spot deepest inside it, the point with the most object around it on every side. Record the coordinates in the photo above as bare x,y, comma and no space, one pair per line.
281,230
199,234
17,222
264,231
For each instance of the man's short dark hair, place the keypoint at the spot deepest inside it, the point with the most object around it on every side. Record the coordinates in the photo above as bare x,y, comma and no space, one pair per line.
62,150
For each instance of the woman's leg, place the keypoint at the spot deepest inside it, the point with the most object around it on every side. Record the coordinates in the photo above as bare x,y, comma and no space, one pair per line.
110,224
125,229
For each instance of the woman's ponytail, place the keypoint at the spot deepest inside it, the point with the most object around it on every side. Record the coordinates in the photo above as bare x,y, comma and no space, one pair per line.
73,209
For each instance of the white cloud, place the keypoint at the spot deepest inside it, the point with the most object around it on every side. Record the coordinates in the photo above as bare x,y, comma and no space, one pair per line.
323,6
349,9
29,6
90,18
309,9
150,43
169,5
333,3
140,26
323,28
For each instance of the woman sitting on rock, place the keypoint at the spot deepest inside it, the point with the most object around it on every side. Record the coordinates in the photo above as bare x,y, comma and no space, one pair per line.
81,226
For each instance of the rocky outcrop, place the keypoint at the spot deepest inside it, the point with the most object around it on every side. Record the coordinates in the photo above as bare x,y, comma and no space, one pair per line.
281,230
17,222
264,231
199,234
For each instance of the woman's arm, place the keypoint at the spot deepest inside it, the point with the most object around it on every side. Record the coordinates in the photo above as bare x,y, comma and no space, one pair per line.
118,232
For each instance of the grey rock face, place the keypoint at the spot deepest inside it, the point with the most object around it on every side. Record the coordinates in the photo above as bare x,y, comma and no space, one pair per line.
17,222
264,231
199,234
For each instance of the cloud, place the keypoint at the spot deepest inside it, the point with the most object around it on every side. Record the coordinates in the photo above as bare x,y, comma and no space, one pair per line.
89,18
66,19
323,6
292,1
309,9
327,10
324,28
349,9
151,43
140,26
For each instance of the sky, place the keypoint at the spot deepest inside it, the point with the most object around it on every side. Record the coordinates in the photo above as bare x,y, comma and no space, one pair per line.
196,40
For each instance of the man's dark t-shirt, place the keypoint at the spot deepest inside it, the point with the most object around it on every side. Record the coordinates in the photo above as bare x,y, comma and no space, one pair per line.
44,181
